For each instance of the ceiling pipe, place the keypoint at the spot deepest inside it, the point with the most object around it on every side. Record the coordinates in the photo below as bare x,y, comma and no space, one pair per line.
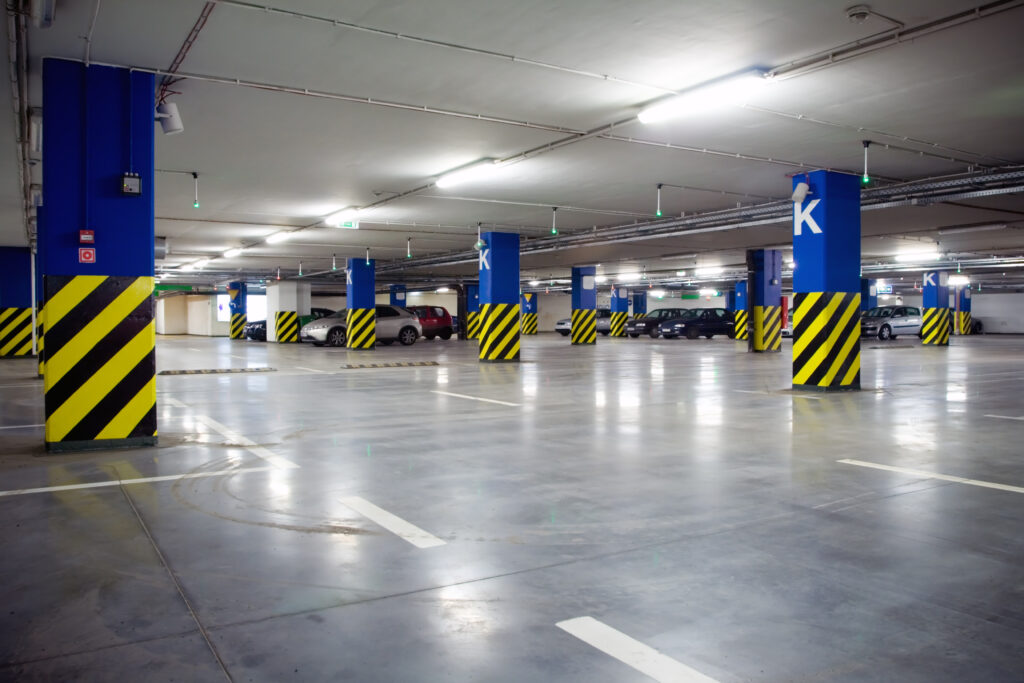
17,61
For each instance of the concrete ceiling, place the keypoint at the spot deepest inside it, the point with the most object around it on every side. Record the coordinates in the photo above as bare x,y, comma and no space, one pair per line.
268,159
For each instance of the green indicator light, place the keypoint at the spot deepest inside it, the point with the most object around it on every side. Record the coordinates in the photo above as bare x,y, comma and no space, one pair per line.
195,205
554,231
658,214
865,180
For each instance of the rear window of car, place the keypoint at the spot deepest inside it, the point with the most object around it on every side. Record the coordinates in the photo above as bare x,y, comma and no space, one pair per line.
438,312
386,312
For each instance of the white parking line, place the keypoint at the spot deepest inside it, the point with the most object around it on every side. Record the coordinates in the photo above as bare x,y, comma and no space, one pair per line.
1006,417
396,525
21,426
174,402
127,482
933,475
250,445
643,658
322,372
477,398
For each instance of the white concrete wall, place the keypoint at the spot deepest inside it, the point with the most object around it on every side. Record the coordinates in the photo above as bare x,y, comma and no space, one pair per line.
450,300
553,307
335,303
285,296
171,315
999,312
202,317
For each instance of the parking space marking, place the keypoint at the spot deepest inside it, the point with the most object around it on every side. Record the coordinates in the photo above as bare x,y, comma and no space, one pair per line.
249,444
477,398
632,652
933,475
174,402
768,393
322,372
1006,417
128,482
22,426
396,525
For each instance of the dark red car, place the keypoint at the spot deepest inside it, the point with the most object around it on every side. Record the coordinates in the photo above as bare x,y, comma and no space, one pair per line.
436,321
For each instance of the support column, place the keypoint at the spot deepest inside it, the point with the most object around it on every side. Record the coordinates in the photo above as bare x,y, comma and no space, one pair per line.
15,302
826,306
963,298
584,306
287,301
639,304
237,291
764,282
740,311
397,293
620,312
473,319
99,374
361,322
868,294
499,297
528,307
937,320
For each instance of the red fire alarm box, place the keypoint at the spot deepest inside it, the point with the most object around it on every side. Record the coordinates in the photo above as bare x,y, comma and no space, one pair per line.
86,255
86,237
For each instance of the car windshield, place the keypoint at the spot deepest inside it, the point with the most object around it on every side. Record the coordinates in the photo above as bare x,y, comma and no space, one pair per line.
879,312
687,315
338,314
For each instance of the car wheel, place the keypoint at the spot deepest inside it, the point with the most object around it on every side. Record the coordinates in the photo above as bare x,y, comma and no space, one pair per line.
407,336
318,343
387,342
732,334
885,333
634,335
708,336
566,334
446,333
669,336
429,337
692,333
336,337
653,334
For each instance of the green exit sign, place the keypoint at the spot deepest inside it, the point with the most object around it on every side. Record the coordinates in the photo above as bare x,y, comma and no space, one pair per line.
350,225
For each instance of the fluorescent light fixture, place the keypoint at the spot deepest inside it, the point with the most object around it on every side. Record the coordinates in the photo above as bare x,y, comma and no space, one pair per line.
708,292
232,253
201,263
279,237
627,277
476,171
441,290
346,218
188,267
917,256
732,90
958,280
680,273
415,293
791,264
708,271
600,279
535,283
657,293
972,228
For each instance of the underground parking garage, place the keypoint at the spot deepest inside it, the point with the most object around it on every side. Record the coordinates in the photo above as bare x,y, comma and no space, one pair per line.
490,341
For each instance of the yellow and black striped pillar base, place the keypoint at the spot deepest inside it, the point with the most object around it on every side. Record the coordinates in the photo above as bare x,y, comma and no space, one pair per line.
938,322
766,337
361,329
617,325
100,370
473,324
740,320
826,341
637,316
964,322
529,323
237,330
499,332
15,332
584,326
286,327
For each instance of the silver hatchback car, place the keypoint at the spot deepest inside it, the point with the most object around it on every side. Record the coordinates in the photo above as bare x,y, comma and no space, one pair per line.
393,323
888,322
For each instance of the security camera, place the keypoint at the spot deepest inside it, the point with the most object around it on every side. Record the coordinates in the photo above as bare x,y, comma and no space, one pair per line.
169,118
800,192
858,14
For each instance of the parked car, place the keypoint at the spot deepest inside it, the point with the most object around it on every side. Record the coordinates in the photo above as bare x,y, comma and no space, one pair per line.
314,314
436,321
256,330
697,322
888,322
649,324
604,323
393,323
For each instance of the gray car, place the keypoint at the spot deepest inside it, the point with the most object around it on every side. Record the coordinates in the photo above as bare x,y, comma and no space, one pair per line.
888,322
604,323
393,323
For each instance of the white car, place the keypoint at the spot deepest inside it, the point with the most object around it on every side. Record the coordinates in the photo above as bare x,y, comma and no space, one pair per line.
393,323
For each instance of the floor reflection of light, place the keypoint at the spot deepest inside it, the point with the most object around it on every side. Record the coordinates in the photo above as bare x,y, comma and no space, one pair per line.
277,484
907,436
600,399
709,410
530,384
462,614
657,368
708,370
442,376
629,397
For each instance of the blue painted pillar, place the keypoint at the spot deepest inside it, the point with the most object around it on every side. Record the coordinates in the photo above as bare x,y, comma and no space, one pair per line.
827,283
640,304
398,294
237,303
963,318
99,373
528,309
15,302
937,320
584,305
764,282
473,319
868,294
741,312
620,312
499,297
361,299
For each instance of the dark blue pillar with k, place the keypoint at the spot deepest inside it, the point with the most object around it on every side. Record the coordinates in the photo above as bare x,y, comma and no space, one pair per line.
237,302
620,312
499,297
827,282
96,256
764,282
361,301
584,305
16,303
868,294
937,320
473,320
398,295
639,304
964,324
740,311
528,313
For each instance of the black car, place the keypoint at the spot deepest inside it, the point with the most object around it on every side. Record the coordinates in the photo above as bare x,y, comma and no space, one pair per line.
256,329
649,323
697,322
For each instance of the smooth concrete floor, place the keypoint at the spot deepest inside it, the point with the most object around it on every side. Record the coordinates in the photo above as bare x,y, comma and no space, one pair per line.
675,491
